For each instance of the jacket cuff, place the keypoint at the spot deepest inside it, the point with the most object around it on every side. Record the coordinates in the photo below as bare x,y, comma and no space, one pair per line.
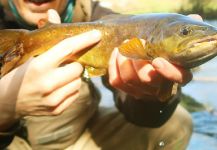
147,112
7,136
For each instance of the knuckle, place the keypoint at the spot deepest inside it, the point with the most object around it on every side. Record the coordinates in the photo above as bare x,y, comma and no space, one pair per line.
78,66
51,102
146,80
36,66
128,79
114,82
56,112
79,82
46,87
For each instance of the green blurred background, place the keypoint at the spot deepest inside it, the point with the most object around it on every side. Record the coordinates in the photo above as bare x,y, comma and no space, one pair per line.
206,8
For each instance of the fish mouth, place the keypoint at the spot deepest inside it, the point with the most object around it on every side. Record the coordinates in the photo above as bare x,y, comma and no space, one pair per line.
198,52
206,40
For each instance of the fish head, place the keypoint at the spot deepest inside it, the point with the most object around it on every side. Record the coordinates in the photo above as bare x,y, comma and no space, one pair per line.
189,42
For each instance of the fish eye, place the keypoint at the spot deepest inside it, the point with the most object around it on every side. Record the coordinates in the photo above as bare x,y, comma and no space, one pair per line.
185,31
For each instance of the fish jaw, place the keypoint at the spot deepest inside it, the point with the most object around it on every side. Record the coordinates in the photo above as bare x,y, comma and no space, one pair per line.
197,52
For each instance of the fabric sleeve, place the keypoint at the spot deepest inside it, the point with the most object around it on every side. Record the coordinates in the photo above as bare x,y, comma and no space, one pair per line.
7,136
148,111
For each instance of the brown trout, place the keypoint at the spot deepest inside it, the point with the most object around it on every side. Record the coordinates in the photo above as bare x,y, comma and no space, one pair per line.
180,39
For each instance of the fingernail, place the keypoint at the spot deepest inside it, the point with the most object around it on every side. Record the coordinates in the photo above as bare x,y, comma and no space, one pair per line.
96,34
158,63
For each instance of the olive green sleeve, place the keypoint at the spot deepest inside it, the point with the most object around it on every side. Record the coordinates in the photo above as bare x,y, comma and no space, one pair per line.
148,111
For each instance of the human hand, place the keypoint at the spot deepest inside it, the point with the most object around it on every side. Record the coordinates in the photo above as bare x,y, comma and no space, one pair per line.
47,88
41,86
140,78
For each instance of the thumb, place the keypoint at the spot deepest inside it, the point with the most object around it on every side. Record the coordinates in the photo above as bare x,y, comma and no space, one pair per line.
53,16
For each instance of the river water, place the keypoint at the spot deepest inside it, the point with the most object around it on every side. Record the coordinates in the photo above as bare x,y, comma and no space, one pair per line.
204,89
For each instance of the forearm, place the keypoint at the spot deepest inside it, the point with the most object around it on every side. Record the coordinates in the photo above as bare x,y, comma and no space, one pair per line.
147,111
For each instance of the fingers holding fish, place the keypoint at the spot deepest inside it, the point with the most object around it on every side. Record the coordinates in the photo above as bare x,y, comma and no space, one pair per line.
41,94
69,46
56,102
57,97
65,104
114,77
53,16
171,72
122,76
47,86
126,70
147,73
53,103
60,76
196,16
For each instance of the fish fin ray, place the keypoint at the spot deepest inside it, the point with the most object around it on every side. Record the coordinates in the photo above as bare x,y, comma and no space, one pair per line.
134,49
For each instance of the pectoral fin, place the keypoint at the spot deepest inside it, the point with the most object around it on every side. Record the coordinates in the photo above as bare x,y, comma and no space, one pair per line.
134,49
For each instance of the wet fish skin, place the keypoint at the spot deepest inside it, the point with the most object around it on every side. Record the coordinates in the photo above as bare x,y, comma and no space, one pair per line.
179,39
